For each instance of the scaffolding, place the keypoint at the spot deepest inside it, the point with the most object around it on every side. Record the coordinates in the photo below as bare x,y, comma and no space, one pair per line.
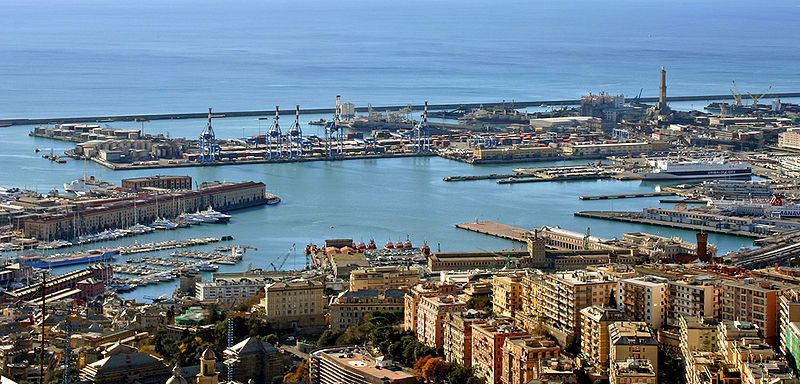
208,148
422,132
275,139
334,135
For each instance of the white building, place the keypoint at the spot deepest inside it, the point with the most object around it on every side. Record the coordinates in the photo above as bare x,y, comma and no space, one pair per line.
229,290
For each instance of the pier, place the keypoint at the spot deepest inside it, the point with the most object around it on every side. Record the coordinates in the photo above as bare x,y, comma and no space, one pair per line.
626,195
417,107
633,217
498,230
172,244
491,176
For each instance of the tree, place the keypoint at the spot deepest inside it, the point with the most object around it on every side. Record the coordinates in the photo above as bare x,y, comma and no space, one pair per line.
435,370
299,374
329,337
459,374
417,370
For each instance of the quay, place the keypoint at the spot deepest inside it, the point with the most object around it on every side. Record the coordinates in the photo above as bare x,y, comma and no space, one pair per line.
417,107
634,217
685,201
165,163
538,178
490,176
497,229
171,244
626,195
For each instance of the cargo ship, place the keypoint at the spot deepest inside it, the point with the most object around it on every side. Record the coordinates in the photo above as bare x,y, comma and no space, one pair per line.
696,170
57,260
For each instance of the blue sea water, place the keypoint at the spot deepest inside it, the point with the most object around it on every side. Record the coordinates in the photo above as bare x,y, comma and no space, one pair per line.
71,58
77,58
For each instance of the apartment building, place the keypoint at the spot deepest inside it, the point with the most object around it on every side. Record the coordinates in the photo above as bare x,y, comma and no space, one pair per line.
457,344
632,340
506,294
294,303
755,301
643,299
351,306
228,291
414,295
383,278
522,356
595,341
560,296
790,324
692,297
487,347
347,365
632,371
430,318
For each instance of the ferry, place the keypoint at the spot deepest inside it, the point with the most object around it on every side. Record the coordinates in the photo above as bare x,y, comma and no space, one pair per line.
86,184
665,169
774,208
94,255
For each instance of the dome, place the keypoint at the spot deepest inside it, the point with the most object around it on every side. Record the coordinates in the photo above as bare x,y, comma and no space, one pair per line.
208,354
176,377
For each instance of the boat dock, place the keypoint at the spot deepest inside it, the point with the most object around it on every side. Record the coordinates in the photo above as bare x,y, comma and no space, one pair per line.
502,231
634,217
172,244
626,195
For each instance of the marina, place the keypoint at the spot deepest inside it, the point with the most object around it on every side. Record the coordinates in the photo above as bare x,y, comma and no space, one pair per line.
171,244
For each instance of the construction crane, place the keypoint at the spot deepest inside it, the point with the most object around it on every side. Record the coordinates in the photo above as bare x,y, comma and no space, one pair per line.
282,260
756,99
736,95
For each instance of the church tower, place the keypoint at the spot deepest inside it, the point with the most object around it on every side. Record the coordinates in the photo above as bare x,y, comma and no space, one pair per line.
208,368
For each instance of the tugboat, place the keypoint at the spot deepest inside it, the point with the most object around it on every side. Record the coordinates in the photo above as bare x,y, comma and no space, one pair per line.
399,245
407,244
361,246
371,244
426,250
389,245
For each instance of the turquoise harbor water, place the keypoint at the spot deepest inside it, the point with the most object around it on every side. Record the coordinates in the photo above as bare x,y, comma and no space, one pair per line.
383,199
74,58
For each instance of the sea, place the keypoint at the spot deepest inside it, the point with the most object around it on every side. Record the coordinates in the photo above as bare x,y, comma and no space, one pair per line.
79,58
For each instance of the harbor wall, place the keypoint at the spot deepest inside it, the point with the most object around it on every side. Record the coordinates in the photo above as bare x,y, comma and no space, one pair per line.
419,107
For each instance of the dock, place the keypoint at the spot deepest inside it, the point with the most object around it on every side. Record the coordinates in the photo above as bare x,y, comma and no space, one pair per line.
525,179
497,230
685,201
490,176
626,195
171,244
633,217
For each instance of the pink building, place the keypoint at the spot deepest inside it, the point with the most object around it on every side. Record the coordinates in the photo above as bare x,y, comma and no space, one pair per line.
431,313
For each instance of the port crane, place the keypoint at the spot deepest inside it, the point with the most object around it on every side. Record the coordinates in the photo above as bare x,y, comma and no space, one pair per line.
282,260
736,95
756,99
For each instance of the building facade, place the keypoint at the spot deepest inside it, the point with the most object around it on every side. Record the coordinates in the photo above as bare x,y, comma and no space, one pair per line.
294,303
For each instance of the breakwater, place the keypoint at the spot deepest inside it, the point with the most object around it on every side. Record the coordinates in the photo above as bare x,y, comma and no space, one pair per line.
417,107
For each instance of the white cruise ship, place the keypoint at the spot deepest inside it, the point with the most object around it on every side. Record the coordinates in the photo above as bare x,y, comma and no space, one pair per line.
665,169
86,184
